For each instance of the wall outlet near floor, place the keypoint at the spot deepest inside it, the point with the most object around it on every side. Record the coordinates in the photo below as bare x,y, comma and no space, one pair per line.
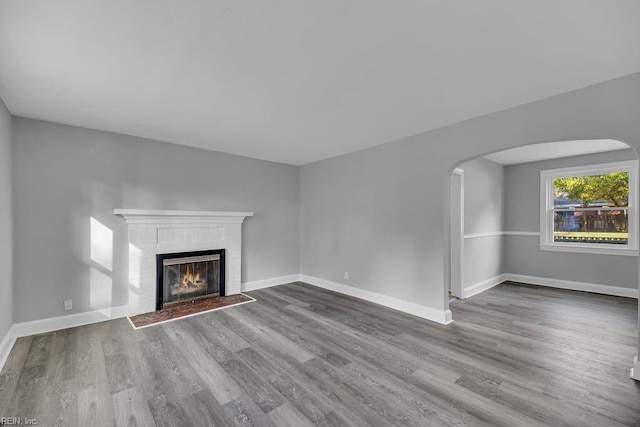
346,275
68,305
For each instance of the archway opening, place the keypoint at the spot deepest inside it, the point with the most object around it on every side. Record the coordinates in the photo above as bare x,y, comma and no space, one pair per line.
583,239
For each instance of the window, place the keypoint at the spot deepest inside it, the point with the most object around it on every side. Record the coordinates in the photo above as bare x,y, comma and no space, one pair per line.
590,209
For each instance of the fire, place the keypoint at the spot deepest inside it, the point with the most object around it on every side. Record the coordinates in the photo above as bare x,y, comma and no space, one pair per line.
191,279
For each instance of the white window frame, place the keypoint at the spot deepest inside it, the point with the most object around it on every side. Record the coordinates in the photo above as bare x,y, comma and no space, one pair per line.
547,200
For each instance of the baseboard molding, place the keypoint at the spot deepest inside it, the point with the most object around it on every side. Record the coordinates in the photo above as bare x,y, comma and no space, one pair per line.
439,316
267,283
475,289
6,345
551,283
574,286
42,326
51,324
635,369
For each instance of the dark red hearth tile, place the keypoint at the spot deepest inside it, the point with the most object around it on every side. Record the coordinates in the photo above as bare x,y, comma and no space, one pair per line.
183,309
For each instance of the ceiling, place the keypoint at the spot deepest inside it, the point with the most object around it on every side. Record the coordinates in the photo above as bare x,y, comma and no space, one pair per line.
554,150
297,81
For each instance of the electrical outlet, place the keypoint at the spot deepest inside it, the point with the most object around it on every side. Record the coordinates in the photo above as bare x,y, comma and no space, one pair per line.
68,305
346,275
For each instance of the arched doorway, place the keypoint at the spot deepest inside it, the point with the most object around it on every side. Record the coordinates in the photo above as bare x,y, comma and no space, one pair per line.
495,222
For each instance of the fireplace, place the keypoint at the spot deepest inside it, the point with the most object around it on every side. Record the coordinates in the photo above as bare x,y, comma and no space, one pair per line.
186,276
152,232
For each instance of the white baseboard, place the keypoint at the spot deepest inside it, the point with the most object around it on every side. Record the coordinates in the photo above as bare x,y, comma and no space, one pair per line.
6,345
440,316
484,285
574,286
635,369
551,283
42,326
34,327
267,283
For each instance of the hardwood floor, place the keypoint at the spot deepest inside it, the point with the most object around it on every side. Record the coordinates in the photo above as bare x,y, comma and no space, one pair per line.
516,355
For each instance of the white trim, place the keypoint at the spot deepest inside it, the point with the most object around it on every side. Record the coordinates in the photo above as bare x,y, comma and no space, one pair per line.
168,232
475,289
589,248
487,234
42,326
135,328
501,233
143,216
635,369
574,286
546,208
6,345
128,213
34,327
429,313
598,209
522,233
456,234
551,283
267,283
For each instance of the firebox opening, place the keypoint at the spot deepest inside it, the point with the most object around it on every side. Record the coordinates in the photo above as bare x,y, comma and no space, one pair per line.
188,276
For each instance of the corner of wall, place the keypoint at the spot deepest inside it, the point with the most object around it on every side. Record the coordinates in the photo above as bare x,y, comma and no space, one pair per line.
440,316
6,229
300,230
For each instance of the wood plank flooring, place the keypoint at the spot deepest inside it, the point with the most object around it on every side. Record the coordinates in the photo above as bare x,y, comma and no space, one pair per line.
516,355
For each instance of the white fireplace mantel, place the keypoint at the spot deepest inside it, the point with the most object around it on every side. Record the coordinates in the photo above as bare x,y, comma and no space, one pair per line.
153,232
147,215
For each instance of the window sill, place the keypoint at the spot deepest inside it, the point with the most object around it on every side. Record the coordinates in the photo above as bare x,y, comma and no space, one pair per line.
591,249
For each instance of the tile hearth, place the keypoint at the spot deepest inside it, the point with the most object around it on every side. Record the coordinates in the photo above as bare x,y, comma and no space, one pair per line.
187,309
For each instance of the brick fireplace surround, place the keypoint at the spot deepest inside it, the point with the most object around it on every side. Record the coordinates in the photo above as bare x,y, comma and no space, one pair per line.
153,232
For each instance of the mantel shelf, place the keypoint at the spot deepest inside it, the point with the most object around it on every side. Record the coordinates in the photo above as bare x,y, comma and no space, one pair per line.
132,213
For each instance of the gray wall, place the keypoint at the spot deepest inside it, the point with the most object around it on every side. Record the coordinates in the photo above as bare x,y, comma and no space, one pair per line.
522,253
6,226
379,213
65,175
372,214
483,213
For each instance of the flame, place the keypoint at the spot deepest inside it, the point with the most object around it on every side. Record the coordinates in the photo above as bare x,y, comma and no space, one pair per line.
190,276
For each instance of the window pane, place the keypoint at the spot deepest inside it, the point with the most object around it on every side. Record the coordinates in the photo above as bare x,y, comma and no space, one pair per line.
583,222
591,226
610,189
